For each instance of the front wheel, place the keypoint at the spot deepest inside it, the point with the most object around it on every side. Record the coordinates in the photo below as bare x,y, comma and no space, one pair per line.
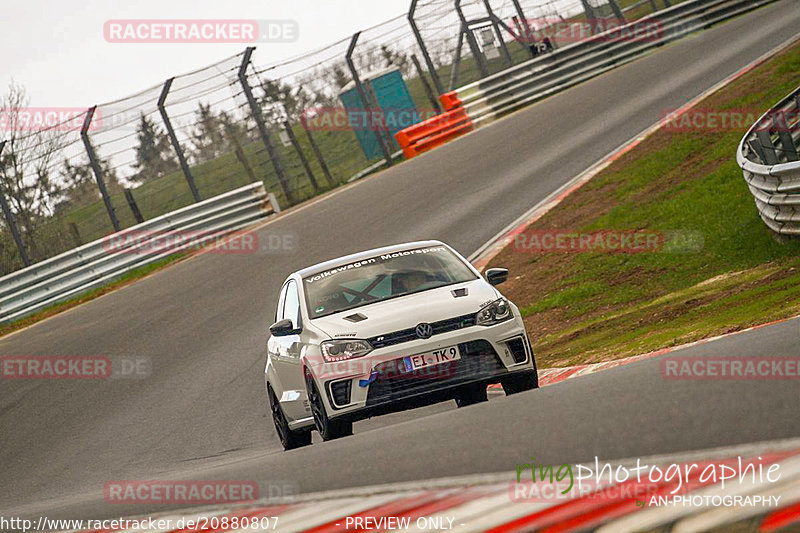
471,394
520,382
289,439
328,429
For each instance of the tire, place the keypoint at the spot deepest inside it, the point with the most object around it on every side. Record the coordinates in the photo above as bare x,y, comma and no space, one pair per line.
520,382
471,394
328,429
289,438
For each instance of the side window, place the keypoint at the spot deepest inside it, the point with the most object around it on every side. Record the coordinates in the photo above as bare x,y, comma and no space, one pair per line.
281,299
291,304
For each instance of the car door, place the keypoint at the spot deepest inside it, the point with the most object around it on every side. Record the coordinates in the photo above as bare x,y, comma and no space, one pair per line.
285,352
273,345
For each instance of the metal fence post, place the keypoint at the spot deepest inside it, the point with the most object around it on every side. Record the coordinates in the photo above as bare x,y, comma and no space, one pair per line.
770,154
457,61
498,33
425,85
473,44
98,172
76,234
12,221
134,208
526,27
437,82
240,155
317,152
301,155
362,94
617,11
255,109
755,146
590,16
781,126
174,140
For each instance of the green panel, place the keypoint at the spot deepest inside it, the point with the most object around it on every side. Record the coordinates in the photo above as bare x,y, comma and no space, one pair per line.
394,100
366,137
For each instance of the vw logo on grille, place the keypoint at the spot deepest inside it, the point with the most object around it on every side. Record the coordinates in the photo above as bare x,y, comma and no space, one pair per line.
424,331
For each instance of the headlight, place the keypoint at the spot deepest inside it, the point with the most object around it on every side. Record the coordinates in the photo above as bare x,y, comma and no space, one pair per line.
341,349
494,313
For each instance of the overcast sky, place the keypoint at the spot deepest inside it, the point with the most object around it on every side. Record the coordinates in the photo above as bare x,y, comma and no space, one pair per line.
57,50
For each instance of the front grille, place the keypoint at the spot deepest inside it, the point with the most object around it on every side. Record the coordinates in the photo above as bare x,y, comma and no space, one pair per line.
410,334
478,361
339,392
517,347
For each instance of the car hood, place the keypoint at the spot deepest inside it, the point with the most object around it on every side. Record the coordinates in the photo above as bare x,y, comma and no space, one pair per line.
408,311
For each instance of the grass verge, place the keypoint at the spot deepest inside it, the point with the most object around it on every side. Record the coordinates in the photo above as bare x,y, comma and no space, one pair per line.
590,307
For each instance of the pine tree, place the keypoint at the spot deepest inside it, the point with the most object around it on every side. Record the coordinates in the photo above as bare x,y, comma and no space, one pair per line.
208,137
154,154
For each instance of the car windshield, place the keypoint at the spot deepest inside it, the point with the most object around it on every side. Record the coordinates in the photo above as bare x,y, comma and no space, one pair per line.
383,277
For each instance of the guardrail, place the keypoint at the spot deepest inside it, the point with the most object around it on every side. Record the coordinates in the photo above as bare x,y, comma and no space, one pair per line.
569,65
63,276
769,157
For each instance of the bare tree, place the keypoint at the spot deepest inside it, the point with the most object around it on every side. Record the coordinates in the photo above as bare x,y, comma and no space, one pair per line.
78,185
27,161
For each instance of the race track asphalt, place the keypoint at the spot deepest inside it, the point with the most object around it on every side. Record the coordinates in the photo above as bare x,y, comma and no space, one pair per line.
202,412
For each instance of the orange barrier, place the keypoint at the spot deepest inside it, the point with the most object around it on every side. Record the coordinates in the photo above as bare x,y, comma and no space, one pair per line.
429,134
450,100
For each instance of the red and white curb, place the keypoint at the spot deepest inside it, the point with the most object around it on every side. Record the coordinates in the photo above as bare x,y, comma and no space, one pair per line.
497,503
551,376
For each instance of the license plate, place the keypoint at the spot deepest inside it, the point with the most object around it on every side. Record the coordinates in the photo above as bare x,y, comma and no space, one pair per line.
433,358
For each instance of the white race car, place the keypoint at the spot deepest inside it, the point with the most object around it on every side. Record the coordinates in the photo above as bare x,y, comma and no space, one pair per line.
385,330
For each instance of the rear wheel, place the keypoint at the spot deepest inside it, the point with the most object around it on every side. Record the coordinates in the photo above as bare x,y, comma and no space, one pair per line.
471,394
327,428
520,382
289,438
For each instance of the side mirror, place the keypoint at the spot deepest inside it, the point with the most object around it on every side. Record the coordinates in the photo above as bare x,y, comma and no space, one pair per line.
282,328
496,276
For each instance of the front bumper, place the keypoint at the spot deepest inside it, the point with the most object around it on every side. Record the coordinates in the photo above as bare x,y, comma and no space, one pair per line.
379,383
